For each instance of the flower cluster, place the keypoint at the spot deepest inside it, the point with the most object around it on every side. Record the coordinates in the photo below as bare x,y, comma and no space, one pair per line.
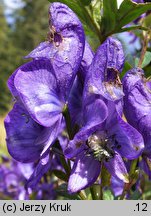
70,101
15,175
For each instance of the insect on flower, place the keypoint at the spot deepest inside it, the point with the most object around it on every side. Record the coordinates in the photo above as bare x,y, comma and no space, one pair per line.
99,148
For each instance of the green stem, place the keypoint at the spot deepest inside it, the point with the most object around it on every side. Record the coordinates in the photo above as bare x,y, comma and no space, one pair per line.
92,26
132,176
122,197
66,115
65,166
144,49
101,192
133,167
94,193
120,30
82,196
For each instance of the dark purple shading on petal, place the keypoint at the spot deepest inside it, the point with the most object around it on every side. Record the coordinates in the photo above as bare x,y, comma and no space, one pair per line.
117,168
126,139
75,98
137,104
94,115
103,73
75,101
42,167
65,49
22,132
37,88
50,135
84,173
87,59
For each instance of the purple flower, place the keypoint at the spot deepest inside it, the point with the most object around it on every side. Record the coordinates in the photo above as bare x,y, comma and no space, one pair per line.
12,180
20,181
137,106
46,191
100,141
103,77
65,45
104,136
137,109
42,86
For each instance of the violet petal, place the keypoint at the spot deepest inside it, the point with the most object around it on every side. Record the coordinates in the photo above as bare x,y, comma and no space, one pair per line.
84,173
37,88
117,168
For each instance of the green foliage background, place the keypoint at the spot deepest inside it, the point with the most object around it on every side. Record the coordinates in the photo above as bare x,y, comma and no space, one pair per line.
16,41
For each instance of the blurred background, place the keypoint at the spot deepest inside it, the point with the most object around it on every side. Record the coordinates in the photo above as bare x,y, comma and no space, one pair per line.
23,25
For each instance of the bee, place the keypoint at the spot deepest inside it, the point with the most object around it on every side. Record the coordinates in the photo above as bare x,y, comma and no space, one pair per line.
99,148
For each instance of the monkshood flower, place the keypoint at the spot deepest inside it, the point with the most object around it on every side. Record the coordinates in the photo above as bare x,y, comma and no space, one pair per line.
46,191
137,108
25,143
65,45
12,180
14,177
104,136
103,77
41,88
100,141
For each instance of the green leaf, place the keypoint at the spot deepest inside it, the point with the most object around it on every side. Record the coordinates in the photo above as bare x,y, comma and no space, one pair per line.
62,191
147,21
146,61
108,195
131,59
136,27
105,177
136,195
61,175
95,191
127,67
114,20
108,21
85,2
129,11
